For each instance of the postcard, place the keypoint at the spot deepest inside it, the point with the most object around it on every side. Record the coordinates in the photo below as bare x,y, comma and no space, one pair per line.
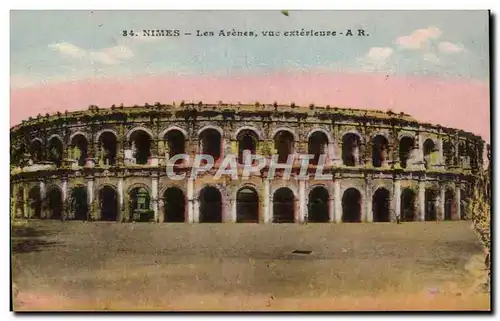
280,160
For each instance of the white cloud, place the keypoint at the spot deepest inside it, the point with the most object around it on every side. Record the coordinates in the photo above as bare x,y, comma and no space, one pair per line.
68,49
431,57
449,47
418,38
107,56
376,59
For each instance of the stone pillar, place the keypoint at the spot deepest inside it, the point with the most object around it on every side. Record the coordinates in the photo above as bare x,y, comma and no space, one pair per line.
43,195
458,200
266,195
302,202
26,207
90,198
196,211
121,207
331,154
421,201
337,199
190,200
232,216
65,207
441,203
331,210
397,200
368,202
154,196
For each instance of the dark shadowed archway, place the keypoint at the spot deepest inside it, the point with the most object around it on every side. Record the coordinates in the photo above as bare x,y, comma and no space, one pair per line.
381,205
210,205
283,206
317,145
176,142
79,146
350,149
108,204
55,203
247,143
247,205
55,150
430,204
79,205
351,206
408,205
318,205
211,143
449,204
174,205
140,142
108,144
380,150
283,143
405,148
35,202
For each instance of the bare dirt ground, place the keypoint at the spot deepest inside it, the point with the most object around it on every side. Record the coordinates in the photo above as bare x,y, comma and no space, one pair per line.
114,266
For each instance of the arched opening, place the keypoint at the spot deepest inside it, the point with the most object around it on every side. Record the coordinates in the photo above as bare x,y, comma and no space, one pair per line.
283,206
140,143
247,144
35,202
210,205
174,205
408,205
351,206
79,205
176,142
79,149
36,151
318,205
139,205
211,143
55,203
380,151
317,146
19,206
429,153
283,143
108,143
405,148
431,197
56,151
449,204
247,205
448,153
350,149
381,205
108,204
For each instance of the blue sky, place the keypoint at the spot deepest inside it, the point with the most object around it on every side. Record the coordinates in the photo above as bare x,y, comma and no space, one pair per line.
71,45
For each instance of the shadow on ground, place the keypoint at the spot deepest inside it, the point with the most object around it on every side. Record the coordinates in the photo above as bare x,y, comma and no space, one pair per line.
26,239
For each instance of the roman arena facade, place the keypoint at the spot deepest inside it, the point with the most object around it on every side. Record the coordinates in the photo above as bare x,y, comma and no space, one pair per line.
109,164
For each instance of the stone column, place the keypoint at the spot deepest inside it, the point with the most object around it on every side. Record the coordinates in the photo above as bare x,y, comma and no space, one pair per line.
26,208
154,196
65,208
266,202
90,197
441,203
458,200
331,154
42,199
190,200
196,211
232,217
302,201
368,202
397,199
421,200
337,199
121,207
331,210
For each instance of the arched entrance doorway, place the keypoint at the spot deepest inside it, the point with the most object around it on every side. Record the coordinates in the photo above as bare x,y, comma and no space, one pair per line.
174,205
108,203
449,204
139,205
55,203
210,205
318,205
381,205
283,206
430,204
35,202
79,205
408,205
247,205
351,206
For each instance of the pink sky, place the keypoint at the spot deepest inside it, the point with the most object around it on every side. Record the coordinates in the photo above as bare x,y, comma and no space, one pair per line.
449,102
